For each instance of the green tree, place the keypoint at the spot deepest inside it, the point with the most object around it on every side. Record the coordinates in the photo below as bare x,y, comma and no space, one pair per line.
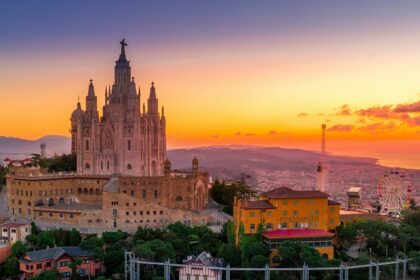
112,237
225,193
45,239
75,268
19,249
74,237
11,266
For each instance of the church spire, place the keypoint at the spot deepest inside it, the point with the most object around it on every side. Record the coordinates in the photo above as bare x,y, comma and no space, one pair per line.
122,68
152,105
91,100
91,91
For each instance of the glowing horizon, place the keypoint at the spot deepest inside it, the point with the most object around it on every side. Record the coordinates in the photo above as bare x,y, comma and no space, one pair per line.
241,76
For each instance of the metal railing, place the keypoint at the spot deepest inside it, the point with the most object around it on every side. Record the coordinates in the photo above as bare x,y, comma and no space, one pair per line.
133,269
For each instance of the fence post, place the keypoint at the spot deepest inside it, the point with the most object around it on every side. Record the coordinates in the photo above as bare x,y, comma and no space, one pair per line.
132,269
397,268
346,273
377,271
371,270
228,272
267,272
404,268
138,270
305,272
341,272
167,270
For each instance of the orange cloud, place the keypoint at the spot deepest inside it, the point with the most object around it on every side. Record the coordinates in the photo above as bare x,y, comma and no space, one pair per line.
408,107
378,127
341,128
344,110
302,115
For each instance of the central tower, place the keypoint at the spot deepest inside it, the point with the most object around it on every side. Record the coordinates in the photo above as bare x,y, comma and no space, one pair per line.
123,140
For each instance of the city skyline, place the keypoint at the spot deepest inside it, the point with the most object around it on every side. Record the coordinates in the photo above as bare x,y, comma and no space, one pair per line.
267,74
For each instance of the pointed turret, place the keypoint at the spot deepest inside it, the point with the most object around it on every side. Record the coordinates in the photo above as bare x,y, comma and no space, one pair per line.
152,101
91,100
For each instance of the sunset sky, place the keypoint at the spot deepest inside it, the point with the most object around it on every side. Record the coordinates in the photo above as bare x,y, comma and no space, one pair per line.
227,72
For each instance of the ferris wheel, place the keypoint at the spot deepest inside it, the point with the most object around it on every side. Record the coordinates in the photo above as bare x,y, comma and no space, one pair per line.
394,192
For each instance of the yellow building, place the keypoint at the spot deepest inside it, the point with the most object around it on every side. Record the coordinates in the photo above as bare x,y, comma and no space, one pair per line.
286,214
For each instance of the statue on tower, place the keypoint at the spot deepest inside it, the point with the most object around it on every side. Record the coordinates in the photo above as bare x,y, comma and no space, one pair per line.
123,45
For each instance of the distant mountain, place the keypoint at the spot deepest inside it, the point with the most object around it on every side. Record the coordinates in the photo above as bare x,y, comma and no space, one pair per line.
264,167
270,167
55,145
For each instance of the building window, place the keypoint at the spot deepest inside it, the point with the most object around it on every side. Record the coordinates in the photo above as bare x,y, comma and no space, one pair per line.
269,213
87,145
129,145
295,212
332,209
178,198
252,227
107,165
129,167
127,213
252,214
332,221
295,202
144,194
132,192
284,201
102,165
269,226
87,166
156,194
114,212
283,225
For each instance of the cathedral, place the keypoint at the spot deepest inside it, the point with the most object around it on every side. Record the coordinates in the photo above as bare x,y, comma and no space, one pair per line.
124,179
123,140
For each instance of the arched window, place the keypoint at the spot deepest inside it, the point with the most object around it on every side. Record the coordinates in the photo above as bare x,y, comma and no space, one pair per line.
91,191
178,198
98,192
79,190
50,202
61,200
85,191
129,145
102,165
87,145
87,165
107,165
129,167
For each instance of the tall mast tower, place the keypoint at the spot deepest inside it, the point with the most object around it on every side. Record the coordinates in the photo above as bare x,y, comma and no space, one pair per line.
322,169
43,150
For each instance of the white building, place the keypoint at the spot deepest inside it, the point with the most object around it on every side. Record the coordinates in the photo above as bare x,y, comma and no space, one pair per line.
13,231
201,267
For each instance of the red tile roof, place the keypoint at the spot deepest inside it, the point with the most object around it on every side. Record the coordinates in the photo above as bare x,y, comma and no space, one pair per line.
257,204
297,233
285,192
12,225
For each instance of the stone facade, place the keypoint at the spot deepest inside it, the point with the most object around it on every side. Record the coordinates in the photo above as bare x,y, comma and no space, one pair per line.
123,140
123,178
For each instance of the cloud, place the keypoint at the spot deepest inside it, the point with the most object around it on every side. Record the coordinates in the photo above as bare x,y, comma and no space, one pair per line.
378,127
408,108
272,132
344,110
238,133
341,128
216,136
250,134
302,115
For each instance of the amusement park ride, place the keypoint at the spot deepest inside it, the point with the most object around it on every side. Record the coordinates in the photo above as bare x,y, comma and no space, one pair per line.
394,192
